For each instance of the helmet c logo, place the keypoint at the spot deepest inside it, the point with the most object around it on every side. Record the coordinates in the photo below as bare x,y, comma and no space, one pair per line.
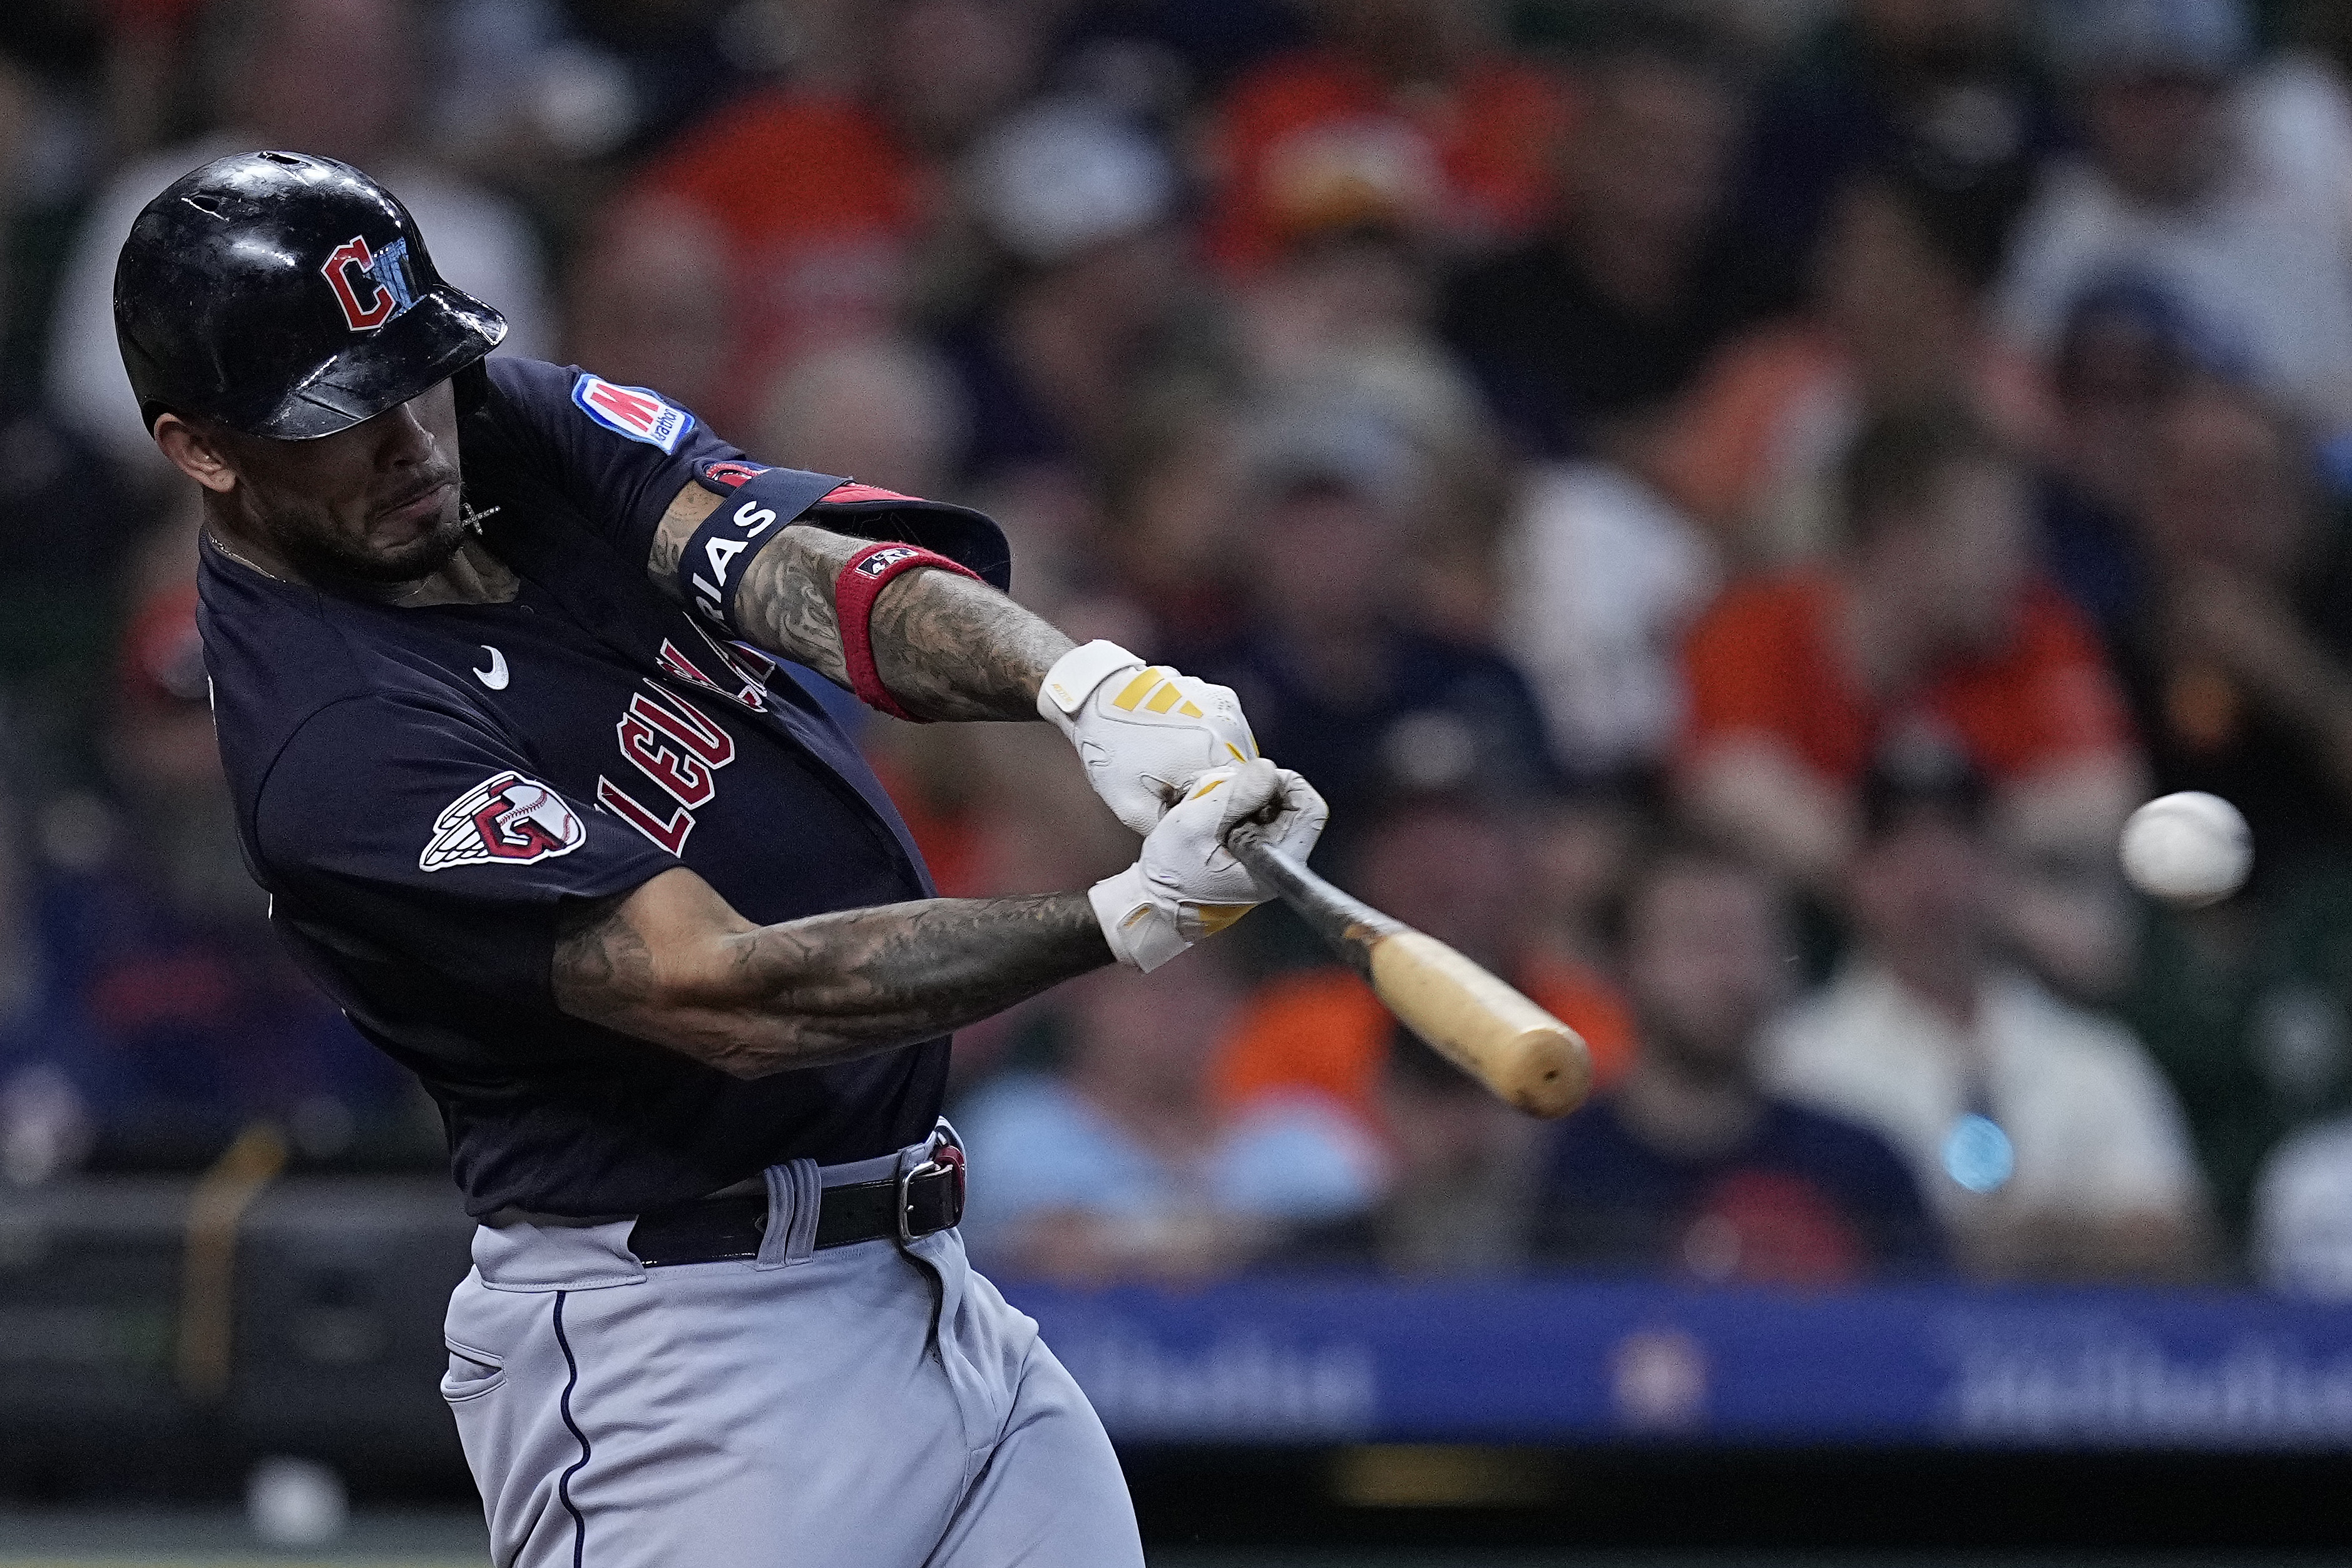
387,286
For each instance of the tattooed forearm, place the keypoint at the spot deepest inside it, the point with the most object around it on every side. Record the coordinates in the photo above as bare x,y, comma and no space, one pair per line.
947,647
673,965
785,603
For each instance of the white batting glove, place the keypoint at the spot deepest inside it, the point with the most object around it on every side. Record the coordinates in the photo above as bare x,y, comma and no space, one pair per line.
1186,885
1144,732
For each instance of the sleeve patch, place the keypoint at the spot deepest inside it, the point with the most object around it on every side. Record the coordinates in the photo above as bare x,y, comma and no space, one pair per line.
634,412
880,561
506,819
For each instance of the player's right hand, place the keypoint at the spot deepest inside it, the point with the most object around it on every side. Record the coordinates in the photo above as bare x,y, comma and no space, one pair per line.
1145,732
1186,885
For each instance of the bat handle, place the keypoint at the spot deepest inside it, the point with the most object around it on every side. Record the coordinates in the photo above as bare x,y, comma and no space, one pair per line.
1347,923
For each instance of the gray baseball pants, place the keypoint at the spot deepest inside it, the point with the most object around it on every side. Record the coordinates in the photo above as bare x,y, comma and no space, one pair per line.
865,1407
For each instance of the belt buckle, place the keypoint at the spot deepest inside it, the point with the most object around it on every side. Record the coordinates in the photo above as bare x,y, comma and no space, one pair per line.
946,1156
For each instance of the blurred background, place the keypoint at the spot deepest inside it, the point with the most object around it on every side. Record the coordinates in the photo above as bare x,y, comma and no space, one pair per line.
1732,501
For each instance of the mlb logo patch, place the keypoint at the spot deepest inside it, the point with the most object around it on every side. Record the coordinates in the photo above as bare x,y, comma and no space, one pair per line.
633,412
882,560
506,820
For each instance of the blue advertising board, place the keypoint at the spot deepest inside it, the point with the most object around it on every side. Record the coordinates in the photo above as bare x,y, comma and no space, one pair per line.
1552,1360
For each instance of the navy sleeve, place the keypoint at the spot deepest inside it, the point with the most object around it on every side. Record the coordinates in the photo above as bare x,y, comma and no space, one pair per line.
620,454
421,831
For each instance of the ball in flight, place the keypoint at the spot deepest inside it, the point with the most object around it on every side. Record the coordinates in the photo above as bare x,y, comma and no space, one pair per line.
2187,850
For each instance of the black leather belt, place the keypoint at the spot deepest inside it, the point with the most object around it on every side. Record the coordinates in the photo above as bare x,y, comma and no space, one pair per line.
925,1200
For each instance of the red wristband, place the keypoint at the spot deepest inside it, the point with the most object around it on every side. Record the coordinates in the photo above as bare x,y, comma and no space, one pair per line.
861,583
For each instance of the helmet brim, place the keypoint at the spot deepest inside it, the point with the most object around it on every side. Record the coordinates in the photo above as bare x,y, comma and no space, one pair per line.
444,331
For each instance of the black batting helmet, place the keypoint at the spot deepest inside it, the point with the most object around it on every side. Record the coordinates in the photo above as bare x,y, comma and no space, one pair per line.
287,296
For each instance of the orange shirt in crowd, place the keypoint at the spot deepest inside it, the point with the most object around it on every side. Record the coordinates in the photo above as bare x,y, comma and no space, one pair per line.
820,204
1313,140
1762,661
1324,1031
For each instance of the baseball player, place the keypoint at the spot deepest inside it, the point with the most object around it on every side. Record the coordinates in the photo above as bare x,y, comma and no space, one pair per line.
491,645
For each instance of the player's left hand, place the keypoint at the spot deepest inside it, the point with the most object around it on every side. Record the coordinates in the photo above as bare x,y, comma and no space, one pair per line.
1186,885
1145,732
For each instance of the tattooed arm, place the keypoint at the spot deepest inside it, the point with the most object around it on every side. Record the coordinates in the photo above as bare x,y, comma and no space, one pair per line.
947,647
672,963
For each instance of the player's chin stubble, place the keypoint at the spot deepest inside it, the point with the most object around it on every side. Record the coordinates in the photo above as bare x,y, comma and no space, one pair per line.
321,544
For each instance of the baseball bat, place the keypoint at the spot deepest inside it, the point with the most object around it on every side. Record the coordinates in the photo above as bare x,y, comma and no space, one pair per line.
1467,1014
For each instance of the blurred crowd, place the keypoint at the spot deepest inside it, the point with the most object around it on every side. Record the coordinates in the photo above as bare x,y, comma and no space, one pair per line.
1731,500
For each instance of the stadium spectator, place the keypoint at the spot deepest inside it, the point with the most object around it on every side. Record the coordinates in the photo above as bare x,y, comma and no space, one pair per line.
1931,619
549,96
1450,863
1121,1166
1462,1164
2041,1132
1339,675
1603,577
30,111
2240,666
827,187
1753,449
645,300
2303,1215
1688,1167
1172,507
58,591
2247,1007
2171,189
1404,105
335,77
884,411
2299,105
1940,88
1613,307
1347,281
1090,309
168,1015
44,1122
146,46
2127,348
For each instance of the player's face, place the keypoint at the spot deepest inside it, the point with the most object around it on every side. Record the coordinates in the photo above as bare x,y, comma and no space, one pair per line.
377,502
1704,960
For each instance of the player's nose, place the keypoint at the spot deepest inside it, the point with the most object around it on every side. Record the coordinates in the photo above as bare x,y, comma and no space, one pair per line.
402,437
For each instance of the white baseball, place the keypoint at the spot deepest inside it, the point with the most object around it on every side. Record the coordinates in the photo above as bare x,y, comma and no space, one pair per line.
2187,850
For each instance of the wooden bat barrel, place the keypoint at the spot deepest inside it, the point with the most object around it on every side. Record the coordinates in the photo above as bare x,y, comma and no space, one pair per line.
1467,1014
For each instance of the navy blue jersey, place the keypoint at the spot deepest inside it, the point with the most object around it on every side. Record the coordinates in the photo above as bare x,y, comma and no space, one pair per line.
1805,1199
423,791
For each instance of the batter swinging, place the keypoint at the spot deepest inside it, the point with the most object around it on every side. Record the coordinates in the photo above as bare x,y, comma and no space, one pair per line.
528,805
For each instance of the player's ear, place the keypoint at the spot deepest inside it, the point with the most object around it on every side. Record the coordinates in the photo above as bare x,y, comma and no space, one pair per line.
195,452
